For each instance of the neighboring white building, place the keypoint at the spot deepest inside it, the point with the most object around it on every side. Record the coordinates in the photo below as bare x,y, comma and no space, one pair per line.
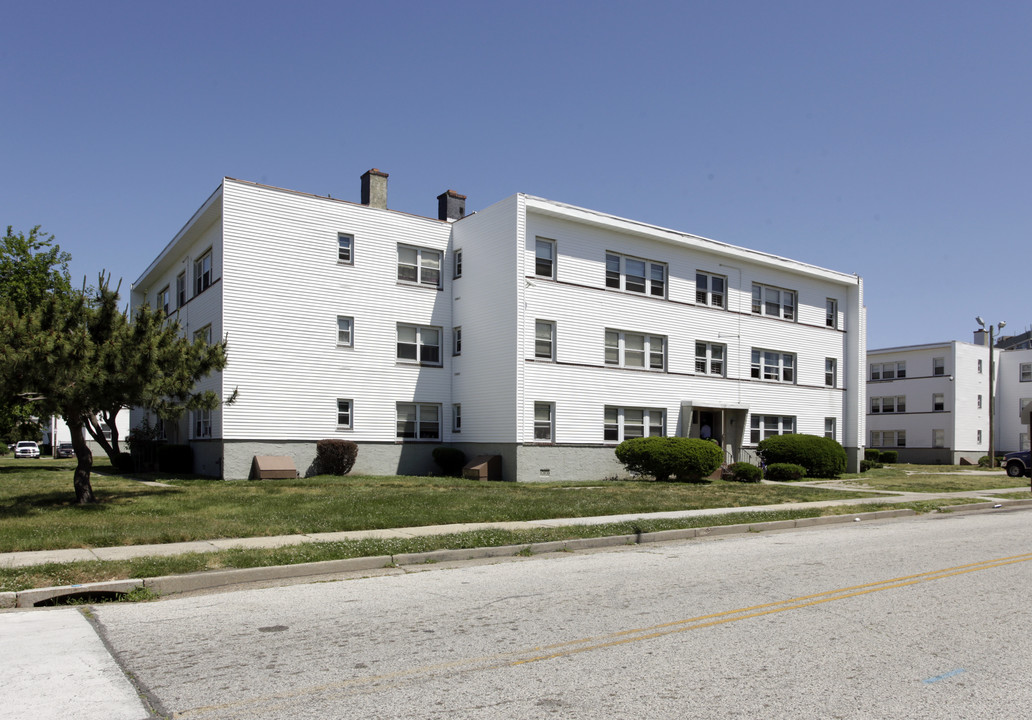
58,432
931,402
535,330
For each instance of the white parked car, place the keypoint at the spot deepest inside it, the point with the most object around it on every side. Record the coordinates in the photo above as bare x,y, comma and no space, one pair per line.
26,449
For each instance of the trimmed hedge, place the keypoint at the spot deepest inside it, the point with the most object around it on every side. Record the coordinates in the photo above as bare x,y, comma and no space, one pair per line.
784,472
450,460
176,459
866,465
335,457
888,456
742,472
872,455
687,459
820,456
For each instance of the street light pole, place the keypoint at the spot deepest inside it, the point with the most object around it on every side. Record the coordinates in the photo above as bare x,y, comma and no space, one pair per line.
992,386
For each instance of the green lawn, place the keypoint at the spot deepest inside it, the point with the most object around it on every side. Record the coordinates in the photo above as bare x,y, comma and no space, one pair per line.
931,478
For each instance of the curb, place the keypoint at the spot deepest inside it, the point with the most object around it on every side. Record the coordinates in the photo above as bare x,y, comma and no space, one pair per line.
172,584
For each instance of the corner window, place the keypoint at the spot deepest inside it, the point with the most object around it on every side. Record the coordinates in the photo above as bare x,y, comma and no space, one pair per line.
544,258
419,266
544,340
831,312
633,350
635,275
830,372
419,421
773,365
764,426
343,414
456,341
163,298
202,273
938,366
458,263
180,289
710,290
202,423
625,423
345,249
419,344
345,325
773,302
709,358
456,414
543,420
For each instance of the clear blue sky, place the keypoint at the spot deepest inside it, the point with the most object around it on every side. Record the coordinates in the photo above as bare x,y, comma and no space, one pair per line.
887,139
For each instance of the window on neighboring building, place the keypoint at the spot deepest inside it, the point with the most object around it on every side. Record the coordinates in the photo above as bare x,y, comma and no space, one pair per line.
635,275
710,289
544,414
1023,441
773,365
544,340
709,358
888,438
458,263
1025,372
829,428
765,426
624,423
417,343
891,404
979,402
979,366
634,350
343,414
180,289
831,312
202,273
345,249
457,341
345,325
978,435
831,372
202,423
163,299
773,301
419,421
938,438
419,266
939,402
544,258
456,418
204,335
938,366
888,371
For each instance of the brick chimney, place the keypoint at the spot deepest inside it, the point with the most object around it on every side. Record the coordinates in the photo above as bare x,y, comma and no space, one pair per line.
374,189
451,206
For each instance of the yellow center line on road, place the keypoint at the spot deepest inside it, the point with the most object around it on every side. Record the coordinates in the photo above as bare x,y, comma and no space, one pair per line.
539,653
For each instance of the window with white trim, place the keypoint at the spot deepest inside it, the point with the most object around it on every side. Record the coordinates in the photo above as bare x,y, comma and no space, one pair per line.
891,404
544,340
762,427
829,428
1023,441
419,266
456,418
831,312
635,350
709,358
202,273
163,298
830,372
938,366
888,371
544,258
345,249
1025,372
624,423
419,344
773,365
419,421
544,419
938,437
636,275
773,301
939,402
345,327
181,289
979,366
457,341
343,414
201,423
458,263
888,438
710,290
979,402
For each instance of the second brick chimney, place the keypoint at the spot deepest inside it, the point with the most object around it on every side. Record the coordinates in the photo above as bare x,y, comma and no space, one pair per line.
374,189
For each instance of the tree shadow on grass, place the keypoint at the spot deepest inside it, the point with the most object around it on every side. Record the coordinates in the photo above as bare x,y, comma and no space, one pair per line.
29,503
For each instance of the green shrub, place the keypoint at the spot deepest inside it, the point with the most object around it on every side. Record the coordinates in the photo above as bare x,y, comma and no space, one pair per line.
450,460
335,457
174,458
872,455
821,457
866,465
743,472
888,456
784,471
687,459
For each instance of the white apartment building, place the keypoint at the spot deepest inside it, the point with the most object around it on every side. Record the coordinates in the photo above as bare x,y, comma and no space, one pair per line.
534,330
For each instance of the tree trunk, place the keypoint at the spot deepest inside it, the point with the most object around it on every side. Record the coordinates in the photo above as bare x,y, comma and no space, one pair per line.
110,448
83,466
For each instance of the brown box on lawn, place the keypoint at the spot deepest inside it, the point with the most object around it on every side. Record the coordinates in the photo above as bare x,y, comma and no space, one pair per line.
483,467
272,467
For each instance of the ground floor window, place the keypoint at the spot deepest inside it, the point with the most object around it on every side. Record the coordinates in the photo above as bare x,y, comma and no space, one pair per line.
419,421
202,423
939,438
625,423
888,438
343,414
544,414
829,428
765,426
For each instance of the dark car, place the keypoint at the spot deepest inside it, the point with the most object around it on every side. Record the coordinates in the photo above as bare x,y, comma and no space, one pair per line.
65,450
1018,463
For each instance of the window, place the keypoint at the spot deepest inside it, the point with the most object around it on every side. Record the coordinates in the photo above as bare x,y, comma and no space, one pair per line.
831,372
159,429
710,289
829,428
891,404
939,402
938,366
345,249
345,325
419,344
709,358
456,418
419,421
888,438
773,365
1023,441
888,371
544,340
632,350
544,258
625,423
938,438
831,312
765,426
202,423
1025,372
978,436
774,302
979,402
343,414
456,341
180,289
979,367
419,266
204,335
202,273
635,275
543,415
163,300
458,263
